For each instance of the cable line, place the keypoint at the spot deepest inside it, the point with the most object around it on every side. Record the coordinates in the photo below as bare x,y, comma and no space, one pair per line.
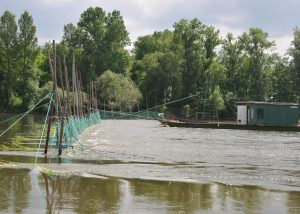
45,123
24,115
21,114
174,101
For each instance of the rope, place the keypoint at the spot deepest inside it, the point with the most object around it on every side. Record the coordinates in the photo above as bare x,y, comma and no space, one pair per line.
45,123
6,120
127,114
24,115
175,101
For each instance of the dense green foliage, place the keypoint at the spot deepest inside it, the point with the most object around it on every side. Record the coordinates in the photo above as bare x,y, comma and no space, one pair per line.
19,71
117,91
223,71
163,66
99,42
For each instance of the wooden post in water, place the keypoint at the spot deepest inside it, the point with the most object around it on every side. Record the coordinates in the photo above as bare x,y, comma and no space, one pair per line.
57,100
62,110
52,69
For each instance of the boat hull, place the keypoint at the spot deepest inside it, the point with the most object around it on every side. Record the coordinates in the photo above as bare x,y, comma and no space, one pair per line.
229,126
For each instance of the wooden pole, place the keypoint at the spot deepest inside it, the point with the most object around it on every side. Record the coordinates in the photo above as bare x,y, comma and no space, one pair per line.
66,76
51,103
76,93
88,100
62,118
55,91
62,87
93,99
73,85
96,102
81,97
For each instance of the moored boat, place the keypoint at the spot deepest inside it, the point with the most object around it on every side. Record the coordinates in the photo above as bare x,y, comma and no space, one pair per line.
251,115
224,125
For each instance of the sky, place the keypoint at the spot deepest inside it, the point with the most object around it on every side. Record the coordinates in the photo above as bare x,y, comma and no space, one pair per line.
277,17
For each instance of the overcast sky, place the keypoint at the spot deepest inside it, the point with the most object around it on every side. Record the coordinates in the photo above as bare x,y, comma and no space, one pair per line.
277,17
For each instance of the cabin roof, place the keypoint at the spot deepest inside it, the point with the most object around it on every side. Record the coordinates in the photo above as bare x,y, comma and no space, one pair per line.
266,103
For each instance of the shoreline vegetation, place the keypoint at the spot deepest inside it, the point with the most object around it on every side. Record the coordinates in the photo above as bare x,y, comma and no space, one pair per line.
163,66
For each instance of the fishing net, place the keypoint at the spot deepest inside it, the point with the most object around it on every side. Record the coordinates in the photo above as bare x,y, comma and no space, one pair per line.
73,127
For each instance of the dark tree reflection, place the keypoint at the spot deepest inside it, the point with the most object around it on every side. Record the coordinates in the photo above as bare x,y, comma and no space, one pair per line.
182,197
15,189
81,194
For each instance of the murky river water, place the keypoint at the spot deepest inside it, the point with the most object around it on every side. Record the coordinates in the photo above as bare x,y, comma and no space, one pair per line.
130,166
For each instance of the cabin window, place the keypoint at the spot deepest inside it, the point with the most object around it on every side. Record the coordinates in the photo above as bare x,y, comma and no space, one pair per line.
260,113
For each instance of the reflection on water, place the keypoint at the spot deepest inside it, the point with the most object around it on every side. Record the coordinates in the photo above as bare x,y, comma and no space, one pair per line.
293,201
178,197
14,191
92,194
80,194
140,167
248,198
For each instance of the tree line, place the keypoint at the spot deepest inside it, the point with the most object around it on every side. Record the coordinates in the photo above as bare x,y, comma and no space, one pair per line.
164,66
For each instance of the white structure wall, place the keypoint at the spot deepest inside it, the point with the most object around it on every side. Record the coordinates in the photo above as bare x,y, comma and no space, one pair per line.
242,114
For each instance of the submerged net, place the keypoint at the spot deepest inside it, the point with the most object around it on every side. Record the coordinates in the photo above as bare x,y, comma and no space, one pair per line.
73,127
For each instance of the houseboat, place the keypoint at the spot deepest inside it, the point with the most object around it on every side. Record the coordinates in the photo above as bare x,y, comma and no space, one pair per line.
252,115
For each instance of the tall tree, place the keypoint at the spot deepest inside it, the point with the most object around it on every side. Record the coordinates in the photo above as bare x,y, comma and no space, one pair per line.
8,37
115,40
99,40
281,80
196,44
189,37
162,80
156,69
294,52
231,58
28,50
255,45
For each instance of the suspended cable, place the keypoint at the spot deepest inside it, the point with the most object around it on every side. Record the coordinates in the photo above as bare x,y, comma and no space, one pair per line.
6,120
24,115
175,101
45,123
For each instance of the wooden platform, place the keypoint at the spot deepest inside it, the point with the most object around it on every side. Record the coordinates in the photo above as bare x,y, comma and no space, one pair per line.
223,125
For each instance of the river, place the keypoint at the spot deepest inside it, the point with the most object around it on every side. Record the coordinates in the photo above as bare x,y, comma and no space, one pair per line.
138,166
